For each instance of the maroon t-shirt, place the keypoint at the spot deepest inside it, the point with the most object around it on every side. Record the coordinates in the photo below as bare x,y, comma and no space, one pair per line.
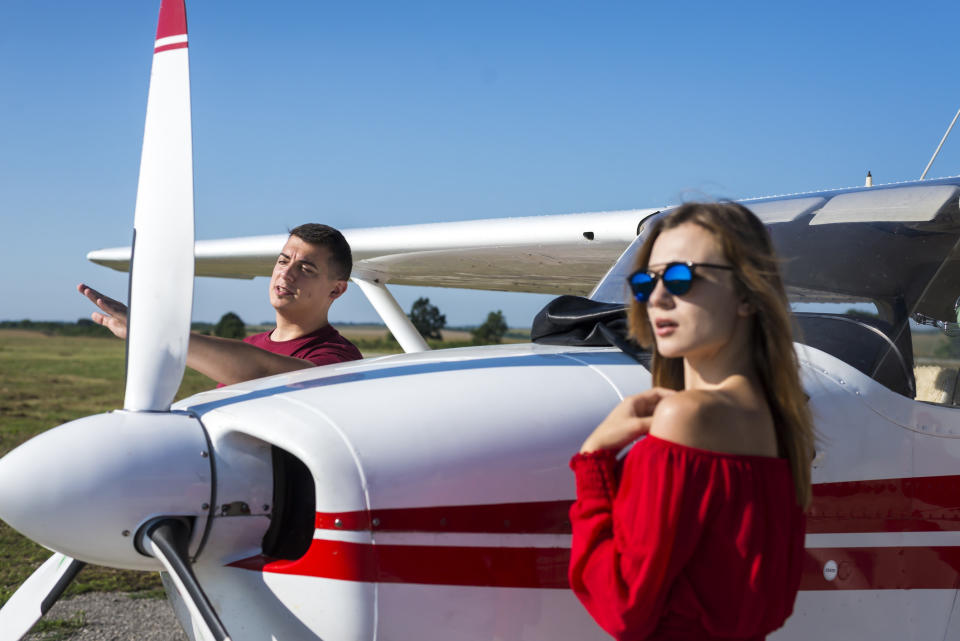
321,347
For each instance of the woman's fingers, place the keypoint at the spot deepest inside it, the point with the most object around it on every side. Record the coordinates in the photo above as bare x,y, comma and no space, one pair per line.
645,403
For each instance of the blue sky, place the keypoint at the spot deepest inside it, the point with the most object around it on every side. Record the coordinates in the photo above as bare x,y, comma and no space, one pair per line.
364,114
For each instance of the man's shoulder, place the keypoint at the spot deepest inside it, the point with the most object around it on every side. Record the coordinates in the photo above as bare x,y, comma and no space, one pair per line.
327,345
322,346
260,339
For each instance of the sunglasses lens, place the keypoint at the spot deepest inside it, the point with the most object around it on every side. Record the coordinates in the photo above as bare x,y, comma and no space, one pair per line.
641,284
677,278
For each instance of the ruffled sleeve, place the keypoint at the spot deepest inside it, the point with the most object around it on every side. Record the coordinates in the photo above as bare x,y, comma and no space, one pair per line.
629,545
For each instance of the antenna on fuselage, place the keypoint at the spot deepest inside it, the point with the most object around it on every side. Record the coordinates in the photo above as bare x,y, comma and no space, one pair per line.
942,140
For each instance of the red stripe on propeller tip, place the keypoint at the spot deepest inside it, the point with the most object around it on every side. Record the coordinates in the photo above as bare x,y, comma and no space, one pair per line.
173,19
179,45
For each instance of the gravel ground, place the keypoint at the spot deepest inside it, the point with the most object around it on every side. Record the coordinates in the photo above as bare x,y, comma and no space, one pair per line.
114,616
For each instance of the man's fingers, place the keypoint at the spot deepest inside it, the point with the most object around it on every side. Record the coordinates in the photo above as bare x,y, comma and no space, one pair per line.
115,325
93,295
89,292
107,304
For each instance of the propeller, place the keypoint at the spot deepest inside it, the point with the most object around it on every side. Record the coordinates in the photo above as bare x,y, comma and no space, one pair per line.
37,595
149,520
161,270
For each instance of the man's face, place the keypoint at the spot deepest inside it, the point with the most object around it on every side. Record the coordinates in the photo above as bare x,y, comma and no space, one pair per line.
301,283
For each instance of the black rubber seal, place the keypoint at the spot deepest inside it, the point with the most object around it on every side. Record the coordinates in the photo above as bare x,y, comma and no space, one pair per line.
172,537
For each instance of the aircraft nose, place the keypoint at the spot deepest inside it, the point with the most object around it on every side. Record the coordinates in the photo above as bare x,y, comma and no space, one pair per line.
86,487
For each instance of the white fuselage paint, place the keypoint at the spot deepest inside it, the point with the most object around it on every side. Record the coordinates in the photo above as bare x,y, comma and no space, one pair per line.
406,432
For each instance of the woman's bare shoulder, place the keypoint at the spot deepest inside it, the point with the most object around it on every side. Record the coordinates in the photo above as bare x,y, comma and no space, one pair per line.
707,420
682,417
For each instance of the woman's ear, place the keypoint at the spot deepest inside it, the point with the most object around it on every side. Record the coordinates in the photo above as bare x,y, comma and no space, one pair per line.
746,308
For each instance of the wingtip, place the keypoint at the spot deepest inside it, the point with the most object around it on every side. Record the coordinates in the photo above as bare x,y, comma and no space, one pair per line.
173,19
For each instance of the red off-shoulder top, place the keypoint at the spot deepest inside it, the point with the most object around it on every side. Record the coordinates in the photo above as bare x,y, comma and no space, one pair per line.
685,543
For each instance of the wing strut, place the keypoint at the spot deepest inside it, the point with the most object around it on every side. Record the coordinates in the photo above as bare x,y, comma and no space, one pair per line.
392,315
942,140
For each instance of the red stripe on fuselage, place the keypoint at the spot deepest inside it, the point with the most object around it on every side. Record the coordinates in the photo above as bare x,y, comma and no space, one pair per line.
875,568
542,517
921,504
178,45
172,20
924,504
440,565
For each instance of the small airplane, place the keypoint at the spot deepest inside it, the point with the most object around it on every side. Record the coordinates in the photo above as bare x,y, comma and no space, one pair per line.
425,495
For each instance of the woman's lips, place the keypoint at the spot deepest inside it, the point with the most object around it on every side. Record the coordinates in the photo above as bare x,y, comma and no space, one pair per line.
664,327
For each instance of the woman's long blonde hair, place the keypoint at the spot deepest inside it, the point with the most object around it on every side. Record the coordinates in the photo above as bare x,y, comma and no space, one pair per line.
747,247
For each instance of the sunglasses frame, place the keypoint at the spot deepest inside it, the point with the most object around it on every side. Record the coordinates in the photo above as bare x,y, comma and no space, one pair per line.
654,277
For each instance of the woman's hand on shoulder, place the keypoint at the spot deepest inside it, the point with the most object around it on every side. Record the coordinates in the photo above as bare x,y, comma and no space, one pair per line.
628,421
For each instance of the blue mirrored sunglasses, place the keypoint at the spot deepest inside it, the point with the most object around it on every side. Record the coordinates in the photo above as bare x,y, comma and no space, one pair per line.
677,278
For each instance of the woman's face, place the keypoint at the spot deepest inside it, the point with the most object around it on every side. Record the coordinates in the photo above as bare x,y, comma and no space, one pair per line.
701,322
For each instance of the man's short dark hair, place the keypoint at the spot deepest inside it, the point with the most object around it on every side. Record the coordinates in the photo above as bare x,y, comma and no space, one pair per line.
341,259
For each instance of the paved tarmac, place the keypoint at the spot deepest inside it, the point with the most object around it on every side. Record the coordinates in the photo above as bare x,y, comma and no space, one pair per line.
114,616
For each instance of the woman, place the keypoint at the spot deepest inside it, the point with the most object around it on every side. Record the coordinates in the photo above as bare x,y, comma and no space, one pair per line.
700,534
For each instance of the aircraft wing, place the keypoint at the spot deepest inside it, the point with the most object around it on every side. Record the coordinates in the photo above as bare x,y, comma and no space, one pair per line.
559,254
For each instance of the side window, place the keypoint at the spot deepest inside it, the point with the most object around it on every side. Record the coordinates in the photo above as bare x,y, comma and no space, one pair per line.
874,276
862,340
936,348
937,356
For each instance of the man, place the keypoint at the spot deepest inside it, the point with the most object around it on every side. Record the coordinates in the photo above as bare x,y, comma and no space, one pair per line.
310,273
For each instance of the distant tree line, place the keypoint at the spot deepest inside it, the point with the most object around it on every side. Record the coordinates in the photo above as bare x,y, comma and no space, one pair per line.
425,316
491,330
83,327
229,326
429,321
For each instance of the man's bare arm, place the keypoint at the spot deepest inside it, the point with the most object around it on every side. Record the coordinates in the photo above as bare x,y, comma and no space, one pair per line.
228,361
225,360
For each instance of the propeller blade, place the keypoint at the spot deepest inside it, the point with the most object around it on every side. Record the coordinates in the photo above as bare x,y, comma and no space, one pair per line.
167,539
161,299
36,596
161,273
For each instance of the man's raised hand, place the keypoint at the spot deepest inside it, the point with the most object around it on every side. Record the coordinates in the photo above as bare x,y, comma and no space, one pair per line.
115,316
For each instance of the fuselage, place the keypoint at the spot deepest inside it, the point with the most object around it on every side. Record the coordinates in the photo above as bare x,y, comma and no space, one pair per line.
442,478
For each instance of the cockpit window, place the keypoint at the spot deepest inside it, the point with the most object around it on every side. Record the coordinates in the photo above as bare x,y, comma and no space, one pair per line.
865,270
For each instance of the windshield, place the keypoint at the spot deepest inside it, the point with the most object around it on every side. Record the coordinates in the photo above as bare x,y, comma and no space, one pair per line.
873,275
